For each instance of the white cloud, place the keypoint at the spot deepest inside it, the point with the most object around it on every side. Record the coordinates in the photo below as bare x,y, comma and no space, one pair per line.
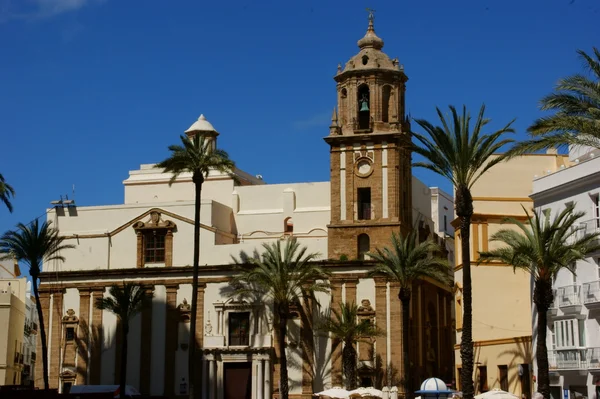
39,9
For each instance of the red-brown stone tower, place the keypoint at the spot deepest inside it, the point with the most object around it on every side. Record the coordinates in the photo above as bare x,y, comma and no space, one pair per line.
370,152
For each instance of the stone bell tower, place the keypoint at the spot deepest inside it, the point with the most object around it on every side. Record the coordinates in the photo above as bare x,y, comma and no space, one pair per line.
370,152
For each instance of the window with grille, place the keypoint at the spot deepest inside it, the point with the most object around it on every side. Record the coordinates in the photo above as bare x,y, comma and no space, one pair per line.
239,329
154,246
70,335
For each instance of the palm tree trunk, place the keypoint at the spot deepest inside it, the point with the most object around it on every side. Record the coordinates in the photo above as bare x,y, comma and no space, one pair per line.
192,340
123,376
38,306
349,355
404,297
464,210
283,372
542,297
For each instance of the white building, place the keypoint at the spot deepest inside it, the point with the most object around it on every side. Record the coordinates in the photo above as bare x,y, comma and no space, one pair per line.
149,239
574,322
30,337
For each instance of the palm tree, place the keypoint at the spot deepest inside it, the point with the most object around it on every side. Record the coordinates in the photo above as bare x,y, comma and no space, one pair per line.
198,156
34,244
284,274
6,191
543,248
462,156
125,302
576,121
407,262
343,325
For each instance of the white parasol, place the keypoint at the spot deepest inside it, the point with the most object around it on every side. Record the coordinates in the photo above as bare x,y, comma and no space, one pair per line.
369,392
335,393
496,394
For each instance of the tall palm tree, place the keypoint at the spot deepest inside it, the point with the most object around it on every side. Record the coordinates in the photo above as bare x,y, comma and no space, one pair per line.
284,274
34,244
125,302
407,262
543,248
198,156
462,156
576,102
6,191
343,325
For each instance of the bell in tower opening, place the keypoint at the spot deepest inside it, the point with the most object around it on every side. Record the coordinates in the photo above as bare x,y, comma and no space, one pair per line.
364,114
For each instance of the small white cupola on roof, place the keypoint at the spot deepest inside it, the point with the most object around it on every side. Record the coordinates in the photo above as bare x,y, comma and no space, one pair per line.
203,128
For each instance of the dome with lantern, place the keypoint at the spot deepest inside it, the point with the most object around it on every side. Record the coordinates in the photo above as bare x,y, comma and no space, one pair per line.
370,55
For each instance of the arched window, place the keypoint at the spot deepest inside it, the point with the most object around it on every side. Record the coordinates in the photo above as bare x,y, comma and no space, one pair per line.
364,107
364,244
288,226
385,108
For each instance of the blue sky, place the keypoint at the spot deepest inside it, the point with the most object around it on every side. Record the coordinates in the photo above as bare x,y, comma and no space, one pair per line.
90,89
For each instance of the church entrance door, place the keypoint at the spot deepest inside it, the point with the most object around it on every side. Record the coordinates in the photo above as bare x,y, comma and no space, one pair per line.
238,381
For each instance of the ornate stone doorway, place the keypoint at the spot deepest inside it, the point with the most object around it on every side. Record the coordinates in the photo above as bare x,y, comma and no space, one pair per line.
237,380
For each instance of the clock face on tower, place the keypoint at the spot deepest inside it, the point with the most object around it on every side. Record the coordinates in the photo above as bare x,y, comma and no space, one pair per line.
363,167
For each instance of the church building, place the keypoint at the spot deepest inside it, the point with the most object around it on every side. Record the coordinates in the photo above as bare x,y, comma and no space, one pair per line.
149,240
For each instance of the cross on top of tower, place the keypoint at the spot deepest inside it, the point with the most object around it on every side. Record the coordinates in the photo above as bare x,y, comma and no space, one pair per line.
371,39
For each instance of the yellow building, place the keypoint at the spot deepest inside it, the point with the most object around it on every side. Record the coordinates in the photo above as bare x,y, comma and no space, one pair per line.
501,297
12,319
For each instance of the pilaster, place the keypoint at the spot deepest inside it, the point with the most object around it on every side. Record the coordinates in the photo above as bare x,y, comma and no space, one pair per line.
146,347
83,337
336,346
171,339
57,338
96,338
381,322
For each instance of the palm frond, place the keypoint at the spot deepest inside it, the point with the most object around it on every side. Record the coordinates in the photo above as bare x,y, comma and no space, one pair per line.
457,151
6,192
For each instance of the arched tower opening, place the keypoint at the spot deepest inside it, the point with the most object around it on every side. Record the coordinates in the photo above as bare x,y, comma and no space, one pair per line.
364,245
364,107
385,103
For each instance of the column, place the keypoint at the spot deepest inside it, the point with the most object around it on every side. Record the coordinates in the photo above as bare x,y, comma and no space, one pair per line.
199,331
39,362
171,339
220,390
212,382
260,382
96,338
146,346
254,379
336,356
351,291
267,377
83,337
381,322
56,344
204,386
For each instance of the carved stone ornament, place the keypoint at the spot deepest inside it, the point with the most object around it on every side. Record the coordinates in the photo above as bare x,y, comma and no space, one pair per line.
70,317
154,221
185,311
208,327
365,306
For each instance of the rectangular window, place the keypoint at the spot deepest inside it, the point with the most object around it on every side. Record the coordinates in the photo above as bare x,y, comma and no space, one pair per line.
70,334
445,223
364,203
503,377
483,385
154,248
458,379
239,329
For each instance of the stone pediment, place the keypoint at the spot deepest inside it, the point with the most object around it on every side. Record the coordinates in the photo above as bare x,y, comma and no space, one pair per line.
154,221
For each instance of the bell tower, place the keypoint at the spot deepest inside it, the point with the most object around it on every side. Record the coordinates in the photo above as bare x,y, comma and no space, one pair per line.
370,152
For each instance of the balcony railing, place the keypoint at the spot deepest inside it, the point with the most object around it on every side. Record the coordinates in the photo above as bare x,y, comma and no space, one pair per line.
574,359
591,292
589,227
569,295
